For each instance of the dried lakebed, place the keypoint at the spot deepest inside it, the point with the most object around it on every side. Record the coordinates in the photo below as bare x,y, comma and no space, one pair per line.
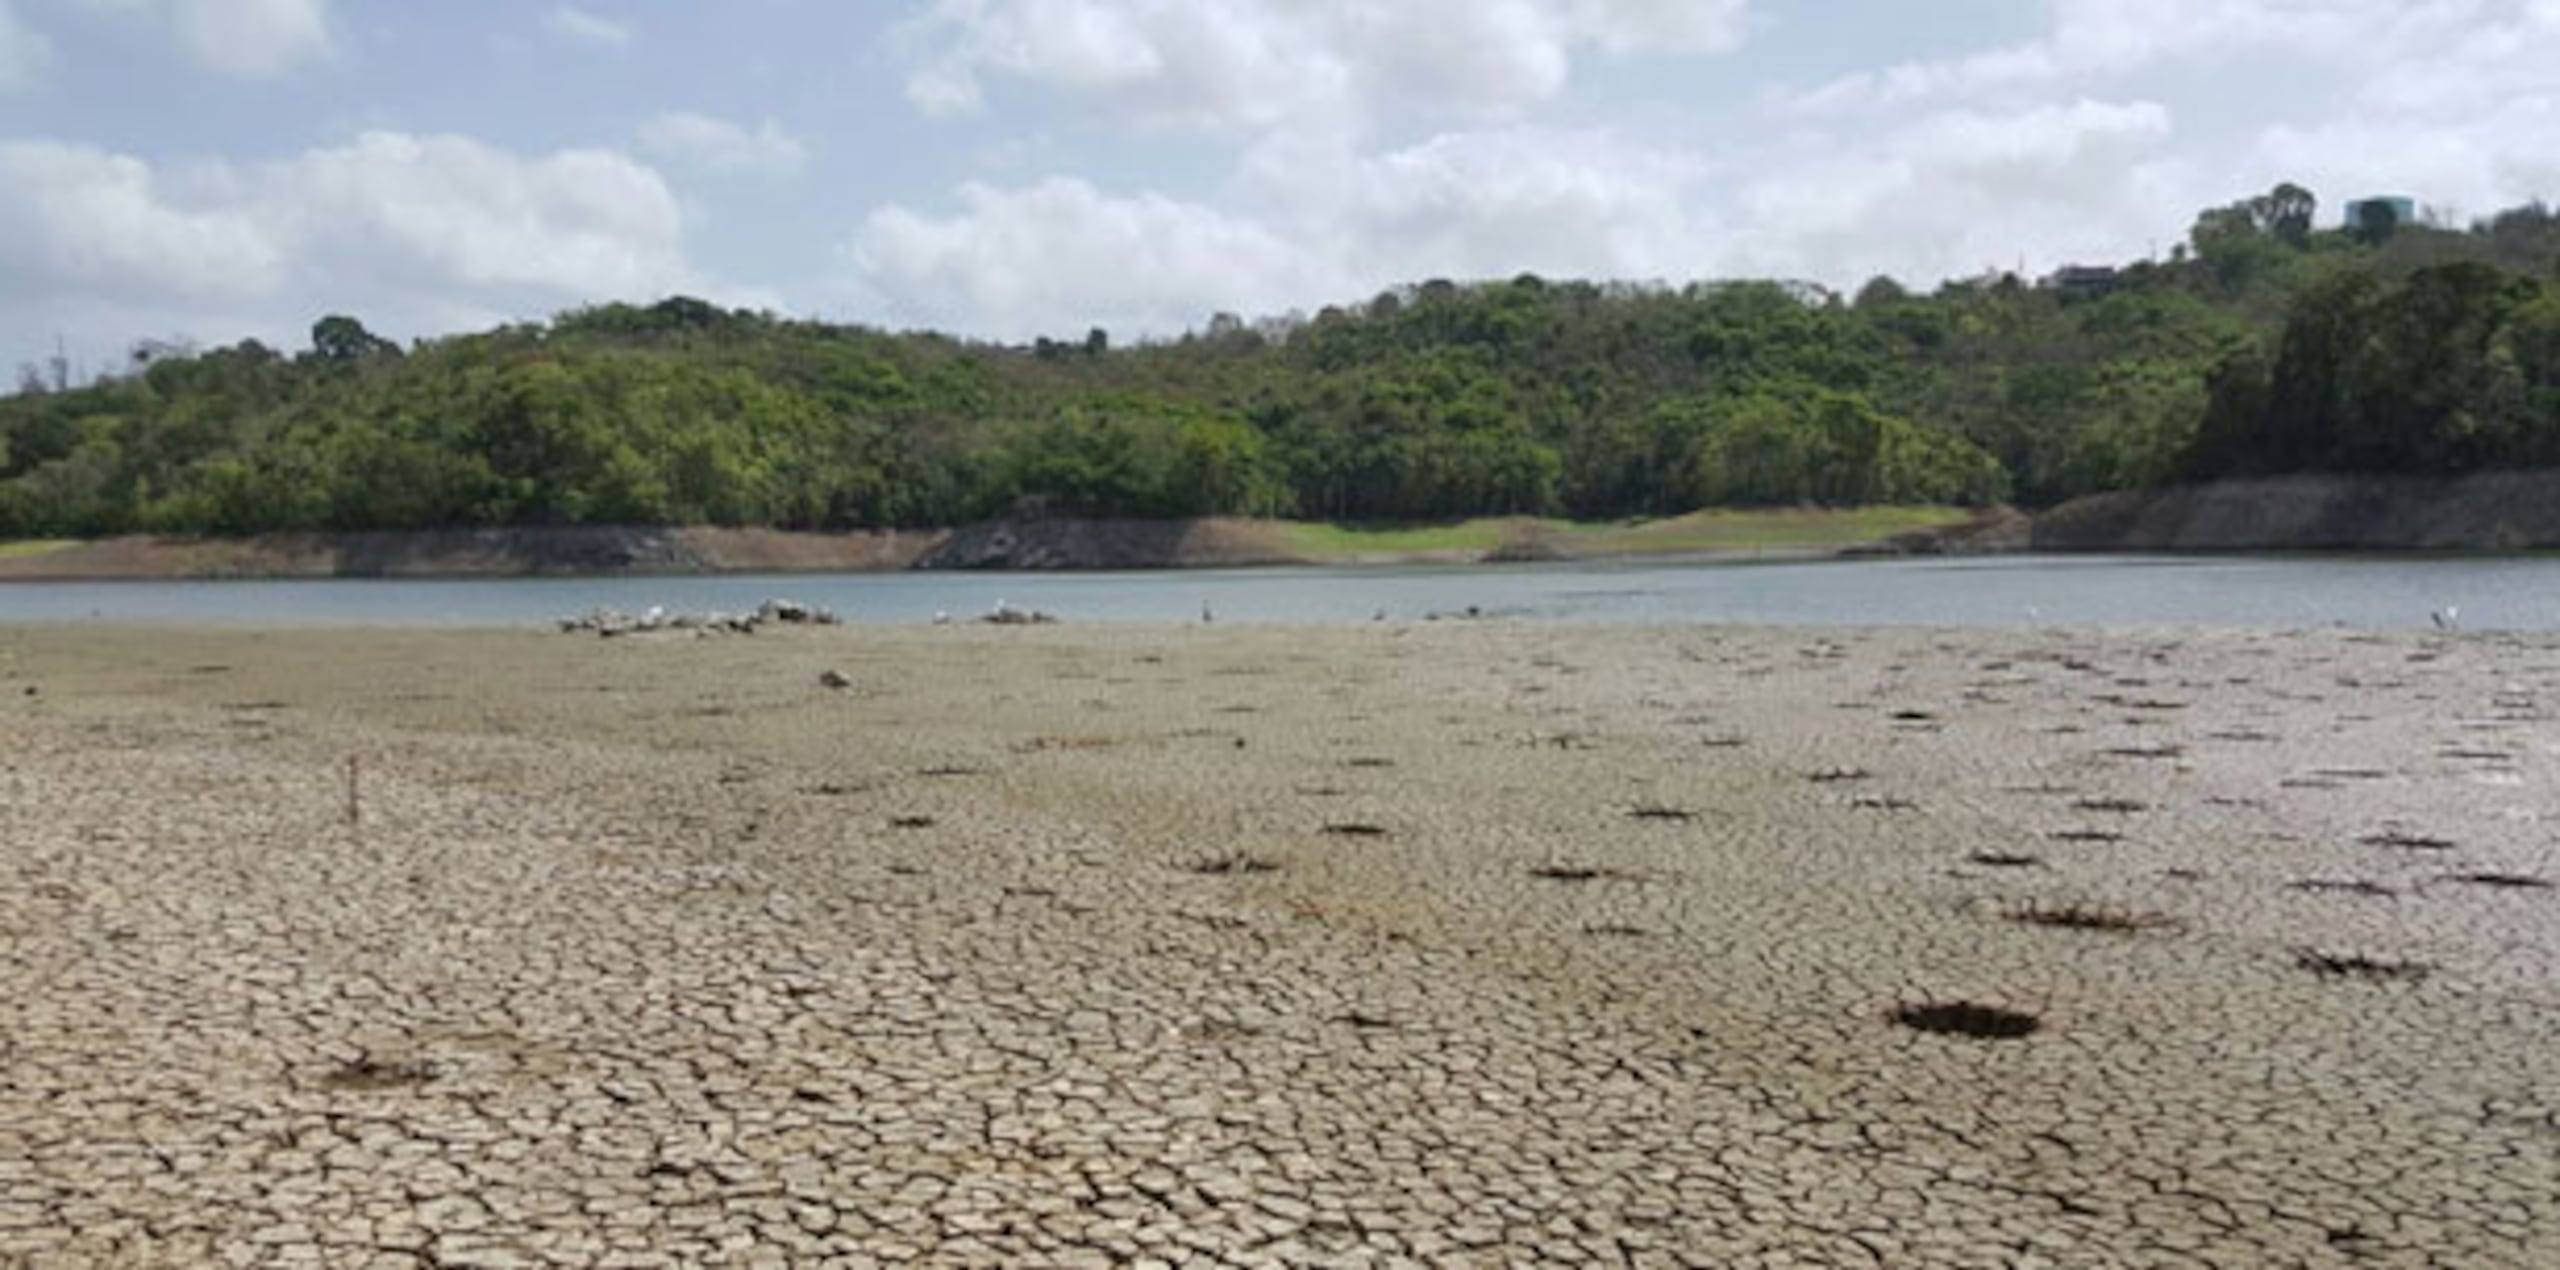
1473,944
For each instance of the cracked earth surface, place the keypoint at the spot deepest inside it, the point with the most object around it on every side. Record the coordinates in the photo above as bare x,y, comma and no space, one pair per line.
1445,945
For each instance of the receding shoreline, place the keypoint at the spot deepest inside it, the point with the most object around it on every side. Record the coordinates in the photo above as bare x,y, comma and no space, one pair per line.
2491,513
1034,544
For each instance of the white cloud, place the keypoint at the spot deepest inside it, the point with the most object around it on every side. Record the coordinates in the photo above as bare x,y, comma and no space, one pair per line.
2451,101
572,23
418,234
1060,256
1259,64
26,56
2094,40
2465,124
1312,221
1961,191
721,146
248,39
1326,224
451,211
1488,203
73,218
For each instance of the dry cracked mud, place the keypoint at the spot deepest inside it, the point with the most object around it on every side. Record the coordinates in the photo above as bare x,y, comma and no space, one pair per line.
407,948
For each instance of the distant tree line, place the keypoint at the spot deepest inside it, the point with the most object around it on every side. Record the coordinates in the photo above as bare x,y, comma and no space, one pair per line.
2263,344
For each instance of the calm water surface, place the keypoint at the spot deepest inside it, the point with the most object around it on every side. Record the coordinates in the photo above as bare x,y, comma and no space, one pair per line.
2401,592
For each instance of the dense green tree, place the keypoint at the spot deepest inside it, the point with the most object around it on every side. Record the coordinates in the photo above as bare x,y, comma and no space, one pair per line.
342,339
2270,346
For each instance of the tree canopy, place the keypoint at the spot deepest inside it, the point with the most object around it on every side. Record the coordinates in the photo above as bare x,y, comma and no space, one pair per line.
2265,344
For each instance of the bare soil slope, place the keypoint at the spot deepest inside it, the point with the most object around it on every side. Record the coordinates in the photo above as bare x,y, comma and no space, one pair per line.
473,552
2499,511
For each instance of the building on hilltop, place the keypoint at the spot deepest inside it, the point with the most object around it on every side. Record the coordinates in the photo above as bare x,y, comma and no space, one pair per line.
2399,210
2085,282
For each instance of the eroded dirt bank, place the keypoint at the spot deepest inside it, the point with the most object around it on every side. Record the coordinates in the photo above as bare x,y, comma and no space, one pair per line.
1461,945
473,553
2499,511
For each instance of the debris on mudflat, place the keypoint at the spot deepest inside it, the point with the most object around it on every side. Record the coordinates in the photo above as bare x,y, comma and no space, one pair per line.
1004,614
610,623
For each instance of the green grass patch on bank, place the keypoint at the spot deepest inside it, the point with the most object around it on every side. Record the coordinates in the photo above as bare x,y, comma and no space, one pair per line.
33,547
1722,530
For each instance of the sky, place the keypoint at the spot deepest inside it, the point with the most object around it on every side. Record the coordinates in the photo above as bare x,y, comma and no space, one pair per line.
212,170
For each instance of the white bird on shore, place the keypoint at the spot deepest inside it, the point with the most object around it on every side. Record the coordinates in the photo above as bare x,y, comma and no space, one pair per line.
2447,618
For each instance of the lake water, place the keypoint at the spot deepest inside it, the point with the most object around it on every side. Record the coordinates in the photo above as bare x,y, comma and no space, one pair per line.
2396,592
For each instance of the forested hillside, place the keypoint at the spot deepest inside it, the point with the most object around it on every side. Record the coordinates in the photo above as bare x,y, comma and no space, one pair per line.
2262,345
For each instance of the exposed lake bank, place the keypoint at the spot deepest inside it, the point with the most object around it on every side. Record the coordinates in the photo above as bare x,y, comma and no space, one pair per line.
1446,944
2488,512
1029,544
2502,512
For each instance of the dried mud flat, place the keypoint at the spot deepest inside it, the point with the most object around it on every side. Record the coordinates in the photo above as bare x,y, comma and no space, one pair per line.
1468,945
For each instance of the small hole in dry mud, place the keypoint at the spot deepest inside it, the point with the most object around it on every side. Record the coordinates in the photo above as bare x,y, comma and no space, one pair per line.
1356,831
2359,966
2005,860
367,1074
1968,1018
1835,775
2087,917
951,770
2504,881
1616,930
1234,862
1369,762
1655,812
911,822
